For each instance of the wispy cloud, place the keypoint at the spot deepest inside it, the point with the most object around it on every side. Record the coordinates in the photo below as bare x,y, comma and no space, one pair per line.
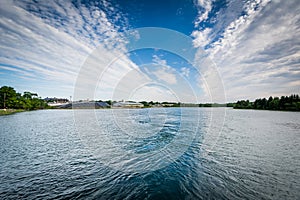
50,40
257,54
157,60
161,94
162,71
204,7
254,44
185,71
166,74
201,37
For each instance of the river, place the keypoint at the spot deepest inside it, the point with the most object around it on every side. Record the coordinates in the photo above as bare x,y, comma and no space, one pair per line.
173,153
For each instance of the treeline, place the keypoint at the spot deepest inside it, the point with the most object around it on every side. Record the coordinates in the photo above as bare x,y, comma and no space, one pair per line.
289,103
10,99
213,105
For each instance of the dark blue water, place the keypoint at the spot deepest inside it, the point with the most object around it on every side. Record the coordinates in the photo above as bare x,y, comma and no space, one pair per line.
150,154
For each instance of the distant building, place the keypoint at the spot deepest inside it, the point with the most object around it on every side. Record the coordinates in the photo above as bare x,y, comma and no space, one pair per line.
85,105
127,104
56,101
167,104
157,105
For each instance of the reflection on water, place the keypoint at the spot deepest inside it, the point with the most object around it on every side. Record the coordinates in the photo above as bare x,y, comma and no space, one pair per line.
109,154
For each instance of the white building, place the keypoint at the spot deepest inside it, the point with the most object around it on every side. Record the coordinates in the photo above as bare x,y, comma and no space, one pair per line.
127,104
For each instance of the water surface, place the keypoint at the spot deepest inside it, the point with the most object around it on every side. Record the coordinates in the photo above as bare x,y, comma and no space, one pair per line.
149,154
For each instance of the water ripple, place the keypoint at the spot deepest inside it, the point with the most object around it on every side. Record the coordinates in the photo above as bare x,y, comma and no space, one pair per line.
43,156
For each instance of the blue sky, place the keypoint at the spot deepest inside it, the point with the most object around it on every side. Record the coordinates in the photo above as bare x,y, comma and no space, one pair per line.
242,49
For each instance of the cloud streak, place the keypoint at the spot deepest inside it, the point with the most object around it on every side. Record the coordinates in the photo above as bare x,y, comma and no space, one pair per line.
255,45
257,54
50,40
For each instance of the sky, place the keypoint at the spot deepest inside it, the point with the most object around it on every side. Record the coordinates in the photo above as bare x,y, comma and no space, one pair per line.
190,51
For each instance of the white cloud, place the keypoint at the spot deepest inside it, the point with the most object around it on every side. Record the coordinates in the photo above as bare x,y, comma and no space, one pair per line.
185,71
205,8
50,40
201,37
157,60
119,79
162,71
154,93
258,53
166,74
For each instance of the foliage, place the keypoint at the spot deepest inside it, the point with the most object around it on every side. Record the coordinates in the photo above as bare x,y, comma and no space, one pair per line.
212,105
230,104
290,103
109,102
10,99
146,104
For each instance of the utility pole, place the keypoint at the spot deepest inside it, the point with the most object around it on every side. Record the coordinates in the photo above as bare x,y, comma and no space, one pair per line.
4,100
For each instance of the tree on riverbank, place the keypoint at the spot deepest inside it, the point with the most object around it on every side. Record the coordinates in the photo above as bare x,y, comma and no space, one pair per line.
291,103
10,99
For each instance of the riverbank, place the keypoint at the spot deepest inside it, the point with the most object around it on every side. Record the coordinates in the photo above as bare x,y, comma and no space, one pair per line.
10,111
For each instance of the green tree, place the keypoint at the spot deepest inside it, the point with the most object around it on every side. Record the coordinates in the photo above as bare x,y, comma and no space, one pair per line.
7,96
109,102
145,103
291,103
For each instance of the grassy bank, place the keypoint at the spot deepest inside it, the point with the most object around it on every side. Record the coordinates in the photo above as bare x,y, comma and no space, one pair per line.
10,111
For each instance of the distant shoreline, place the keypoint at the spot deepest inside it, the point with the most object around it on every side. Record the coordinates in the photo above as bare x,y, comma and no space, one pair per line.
12,102
10,111
13,111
